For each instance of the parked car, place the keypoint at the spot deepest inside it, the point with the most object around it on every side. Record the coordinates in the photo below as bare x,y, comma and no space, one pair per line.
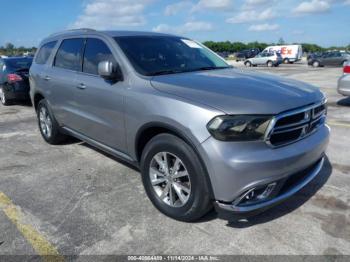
344,81
313,55
201,132
330,59
268,59
289,53
224,55
14,83
247,53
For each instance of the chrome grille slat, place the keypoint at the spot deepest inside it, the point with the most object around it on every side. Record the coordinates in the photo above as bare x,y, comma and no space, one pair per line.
291,125
289,129
290,132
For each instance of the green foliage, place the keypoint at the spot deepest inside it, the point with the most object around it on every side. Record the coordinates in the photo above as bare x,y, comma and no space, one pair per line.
232,47
281,41
10,50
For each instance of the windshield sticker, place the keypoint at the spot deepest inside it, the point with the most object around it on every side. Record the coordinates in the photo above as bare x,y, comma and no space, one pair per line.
191,43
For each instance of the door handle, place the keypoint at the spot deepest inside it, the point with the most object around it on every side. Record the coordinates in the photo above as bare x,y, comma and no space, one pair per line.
47,78
81,86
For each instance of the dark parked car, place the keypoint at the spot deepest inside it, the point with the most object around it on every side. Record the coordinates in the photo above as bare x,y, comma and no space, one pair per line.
247,53
224,54
314,55
329,59
14,83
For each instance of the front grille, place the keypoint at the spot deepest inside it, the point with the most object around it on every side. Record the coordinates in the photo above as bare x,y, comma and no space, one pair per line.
292,126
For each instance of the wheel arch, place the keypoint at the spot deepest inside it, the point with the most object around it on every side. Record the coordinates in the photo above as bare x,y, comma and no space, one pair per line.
36,99
150,130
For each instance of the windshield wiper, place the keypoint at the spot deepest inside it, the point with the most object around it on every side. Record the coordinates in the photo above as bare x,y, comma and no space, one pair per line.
165,72
211,68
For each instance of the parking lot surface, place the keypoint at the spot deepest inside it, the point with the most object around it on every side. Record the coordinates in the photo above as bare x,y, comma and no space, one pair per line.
77,200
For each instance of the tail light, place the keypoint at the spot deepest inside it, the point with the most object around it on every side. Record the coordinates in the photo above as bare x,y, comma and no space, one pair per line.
346,69
11,78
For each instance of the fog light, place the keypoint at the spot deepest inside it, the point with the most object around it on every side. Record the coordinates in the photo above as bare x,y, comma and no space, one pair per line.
255,194
268,190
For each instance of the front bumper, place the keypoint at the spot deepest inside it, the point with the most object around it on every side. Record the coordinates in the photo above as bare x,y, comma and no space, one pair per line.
281,196
236,167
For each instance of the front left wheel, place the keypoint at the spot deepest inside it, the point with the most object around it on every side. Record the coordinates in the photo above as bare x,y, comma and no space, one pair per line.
174,178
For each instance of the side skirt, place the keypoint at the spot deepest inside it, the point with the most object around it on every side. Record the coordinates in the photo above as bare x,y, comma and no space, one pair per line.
109,150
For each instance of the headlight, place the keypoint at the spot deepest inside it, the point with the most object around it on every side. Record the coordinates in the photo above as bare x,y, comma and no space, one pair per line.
239,127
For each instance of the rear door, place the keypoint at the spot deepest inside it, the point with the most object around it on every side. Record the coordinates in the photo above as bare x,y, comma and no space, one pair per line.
100,103
61,81
37,73
327,59
338,59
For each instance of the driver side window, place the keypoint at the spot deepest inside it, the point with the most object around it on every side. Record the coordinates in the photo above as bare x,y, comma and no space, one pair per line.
96,51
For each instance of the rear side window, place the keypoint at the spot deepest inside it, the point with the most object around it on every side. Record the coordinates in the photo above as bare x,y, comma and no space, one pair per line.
45,52
69,55
96,51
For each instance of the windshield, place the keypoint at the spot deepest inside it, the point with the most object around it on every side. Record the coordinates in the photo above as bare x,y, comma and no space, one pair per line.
19,63
155,55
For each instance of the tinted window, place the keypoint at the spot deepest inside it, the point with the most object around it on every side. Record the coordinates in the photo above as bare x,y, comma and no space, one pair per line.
45,52
69,54
154,55
18,63
95,52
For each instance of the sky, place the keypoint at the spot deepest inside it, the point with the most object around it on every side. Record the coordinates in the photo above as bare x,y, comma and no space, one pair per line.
323,22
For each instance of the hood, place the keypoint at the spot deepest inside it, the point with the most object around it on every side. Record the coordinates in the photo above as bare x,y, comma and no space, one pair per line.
235,91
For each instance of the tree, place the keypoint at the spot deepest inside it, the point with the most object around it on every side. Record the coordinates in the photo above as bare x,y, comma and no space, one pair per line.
281,41
9,46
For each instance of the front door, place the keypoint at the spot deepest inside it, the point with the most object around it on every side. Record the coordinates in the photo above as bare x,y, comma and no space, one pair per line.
99,101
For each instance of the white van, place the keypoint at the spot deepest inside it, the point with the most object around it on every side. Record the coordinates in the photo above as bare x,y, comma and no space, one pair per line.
289,53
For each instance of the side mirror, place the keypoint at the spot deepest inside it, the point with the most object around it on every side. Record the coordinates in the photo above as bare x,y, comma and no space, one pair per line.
110,71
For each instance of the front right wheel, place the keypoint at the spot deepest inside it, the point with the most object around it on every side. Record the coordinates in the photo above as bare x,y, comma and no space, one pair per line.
174,178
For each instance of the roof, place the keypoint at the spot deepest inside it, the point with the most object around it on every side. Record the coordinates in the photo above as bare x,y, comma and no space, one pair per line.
133,33
109,33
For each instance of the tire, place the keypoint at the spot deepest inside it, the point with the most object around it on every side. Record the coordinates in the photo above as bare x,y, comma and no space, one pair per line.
48,125
247,63
286,61
269,64
190,193
4,100
315,64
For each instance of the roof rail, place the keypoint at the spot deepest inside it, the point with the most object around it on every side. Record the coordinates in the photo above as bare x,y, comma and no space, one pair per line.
73,30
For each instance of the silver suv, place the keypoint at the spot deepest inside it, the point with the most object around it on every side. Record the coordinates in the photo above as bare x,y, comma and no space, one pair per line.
202,133
265,58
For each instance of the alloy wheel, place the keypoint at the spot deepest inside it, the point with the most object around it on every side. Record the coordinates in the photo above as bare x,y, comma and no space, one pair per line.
45,122
170,179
